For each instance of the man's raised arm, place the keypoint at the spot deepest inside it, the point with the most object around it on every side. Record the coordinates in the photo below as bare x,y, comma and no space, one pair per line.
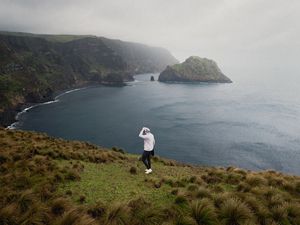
141,133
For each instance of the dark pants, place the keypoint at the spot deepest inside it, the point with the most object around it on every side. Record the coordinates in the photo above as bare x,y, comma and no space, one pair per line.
146,159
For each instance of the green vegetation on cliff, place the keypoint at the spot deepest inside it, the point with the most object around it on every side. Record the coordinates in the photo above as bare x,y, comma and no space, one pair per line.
33,67
46,180
194,69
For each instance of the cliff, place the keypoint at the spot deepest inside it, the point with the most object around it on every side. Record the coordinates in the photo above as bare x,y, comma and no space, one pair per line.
141,58
194,69
47,180
33,67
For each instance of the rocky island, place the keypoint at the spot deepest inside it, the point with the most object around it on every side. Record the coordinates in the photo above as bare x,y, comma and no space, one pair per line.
194,69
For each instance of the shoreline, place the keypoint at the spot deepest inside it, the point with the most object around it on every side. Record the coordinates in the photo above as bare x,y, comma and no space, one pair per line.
29,106
10,115
55,98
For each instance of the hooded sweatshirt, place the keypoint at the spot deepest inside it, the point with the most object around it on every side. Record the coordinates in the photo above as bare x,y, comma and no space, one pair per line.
149,140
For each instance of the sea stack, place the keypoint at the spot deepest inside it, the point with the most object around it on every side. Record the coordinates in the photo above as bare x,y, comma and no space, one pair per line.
194,69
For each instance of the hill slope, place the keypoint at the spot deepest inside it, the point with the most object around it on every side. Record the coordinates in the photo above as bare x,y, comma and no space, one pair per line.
33,67
45,180
141,58
194,69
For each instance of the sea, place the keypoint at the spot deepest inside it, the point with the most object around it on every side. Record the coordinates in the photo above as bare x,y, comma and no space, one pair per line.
252,123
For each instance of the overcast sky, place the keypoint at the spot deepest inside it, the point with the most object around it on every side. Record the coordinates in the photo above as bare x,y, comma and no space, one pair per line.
258,33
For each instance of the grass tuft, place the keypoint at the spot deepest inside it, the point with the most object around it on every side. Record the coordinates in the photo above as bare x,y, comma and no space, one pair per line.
235,212
133,170
117,213
181,200
59,206
75,217
97,210
203,212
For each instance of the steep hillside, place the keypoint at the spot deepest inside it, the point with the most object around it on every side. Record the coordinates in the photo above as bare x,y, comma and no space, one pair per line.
141,58
45,180
33,67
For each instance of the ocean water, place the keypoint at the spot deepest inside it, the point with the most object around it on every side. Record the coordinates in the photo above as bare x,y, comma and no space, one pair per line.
245,124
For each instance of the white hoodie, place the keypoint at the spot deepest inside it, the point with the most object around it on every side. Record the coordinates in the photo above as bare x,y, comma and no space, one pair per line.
149,140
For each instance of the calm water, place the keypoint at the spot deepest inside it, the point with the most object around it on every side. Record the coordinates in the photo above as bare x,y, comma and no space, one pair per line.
241,124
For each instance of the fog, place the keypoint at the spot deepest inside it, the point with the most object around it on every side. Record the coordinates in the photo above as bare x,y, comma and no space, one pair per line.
241,35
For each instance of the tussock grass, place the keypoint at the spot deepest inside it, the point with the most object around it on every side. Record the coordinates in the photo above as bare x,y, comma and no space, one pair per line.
255,180
147,216
181,219
181,200
59,206
8,214
235,212
46,180
75,216
133,170
117,214
192,187
203,192
203,212
97,210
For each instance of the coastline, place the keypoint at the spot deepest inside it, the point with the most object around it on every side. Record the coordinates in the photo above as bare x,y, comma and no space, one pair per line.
55,98
29,106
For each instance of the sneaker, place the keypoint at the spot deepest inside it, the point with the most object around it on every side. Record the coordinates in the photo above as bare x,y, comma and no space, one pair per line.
148,171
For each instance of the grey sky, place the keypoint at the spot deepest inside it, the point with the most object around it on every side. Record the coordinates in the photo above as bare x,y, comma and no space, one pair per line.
241,33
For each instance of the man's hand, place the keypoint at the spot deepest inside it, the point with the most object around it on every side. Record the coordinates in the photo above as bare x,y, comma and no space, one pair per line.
142,133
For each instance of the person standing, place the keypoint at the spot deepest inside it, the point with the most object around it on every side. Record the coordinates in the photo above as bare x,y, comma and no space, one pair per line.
149,143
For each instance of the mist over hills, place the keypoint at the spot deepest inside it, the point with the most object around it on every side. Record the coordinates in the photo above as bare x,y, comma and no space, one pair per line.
35,66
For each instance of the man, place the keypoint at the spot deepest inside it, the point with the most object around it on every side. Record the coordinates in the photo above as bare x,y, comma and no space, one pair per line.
149,143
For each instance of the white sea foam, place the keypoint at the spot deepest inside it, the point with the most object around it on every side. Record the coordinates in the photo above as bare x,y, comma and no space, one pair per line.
67,92
12,126
132,83
56,99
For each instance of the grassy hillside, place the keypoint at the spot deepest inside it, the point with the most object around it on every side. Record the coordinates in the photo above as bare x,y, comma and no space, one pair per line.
45,180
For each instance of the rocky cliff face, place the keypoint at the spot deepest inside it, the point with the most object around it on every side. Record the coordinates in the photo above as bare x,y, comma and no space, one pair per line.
194,69
140,58
33,67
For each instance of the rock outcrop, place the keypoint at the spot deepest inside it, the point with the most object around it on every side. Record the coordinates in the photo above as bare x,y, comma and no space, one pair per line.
194,69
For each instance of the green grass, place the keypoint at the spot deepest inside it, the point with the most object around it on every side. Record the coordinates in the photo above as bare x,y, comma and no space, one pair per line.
112,182
228,187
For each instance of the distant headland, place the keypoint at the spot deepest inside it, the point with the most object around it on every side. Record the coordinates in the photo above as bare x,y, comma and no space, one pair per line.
33,67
